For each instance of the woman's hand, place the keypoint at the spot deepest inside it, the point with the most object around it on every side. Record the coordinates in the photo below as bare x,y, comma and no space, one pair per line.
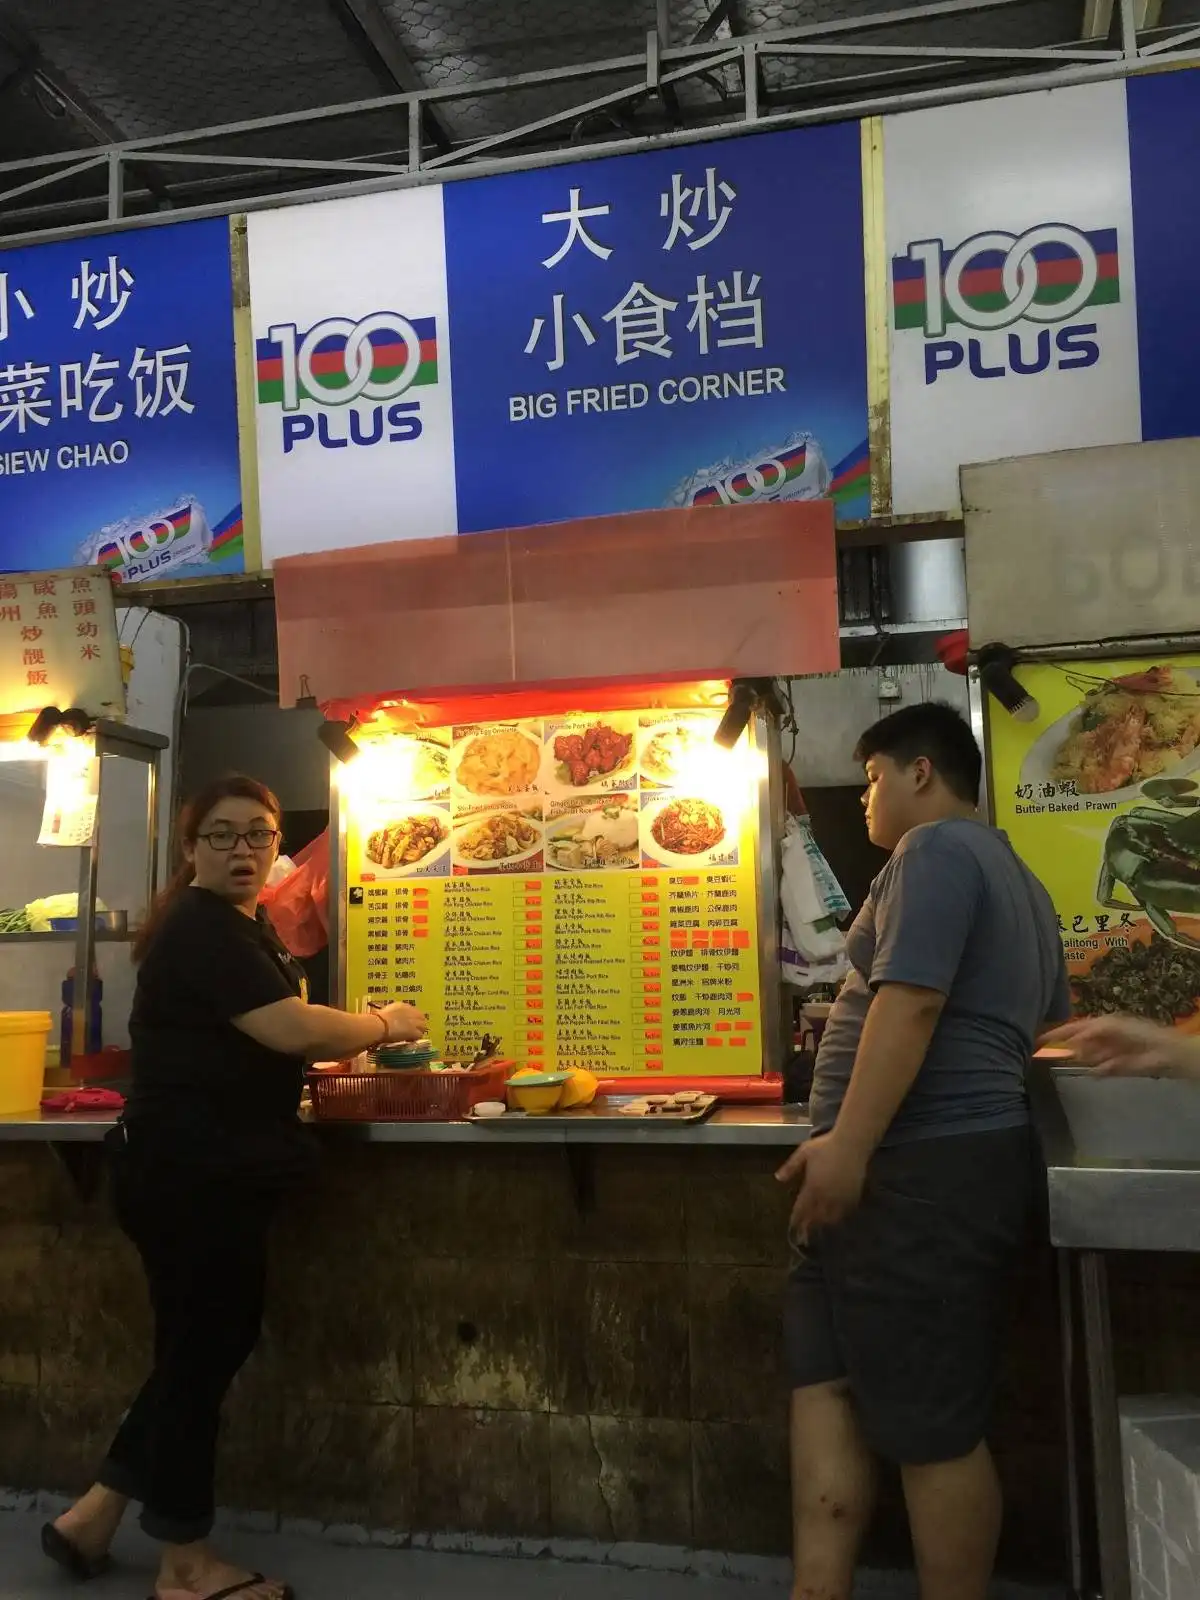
405,1023
1127,1047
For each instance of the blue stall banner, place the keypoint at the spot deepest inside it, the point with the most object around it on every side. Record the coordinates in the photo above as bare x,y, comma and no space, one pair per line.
675,328
118,405
1164,151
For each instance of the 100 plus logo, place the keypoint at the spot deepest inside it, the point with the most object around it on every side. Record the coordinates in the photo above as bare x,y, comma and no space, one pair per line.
337,364
1002,304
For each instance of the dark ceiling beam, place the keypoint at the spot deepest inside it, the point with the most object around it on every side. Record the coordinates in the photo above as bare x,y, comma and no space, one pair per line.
714,19
667,94
367,24
736,26
98,126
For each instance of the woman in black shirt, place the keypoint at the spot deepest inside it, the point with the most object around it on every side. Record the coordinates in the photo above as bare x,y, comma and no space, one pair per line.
209,1143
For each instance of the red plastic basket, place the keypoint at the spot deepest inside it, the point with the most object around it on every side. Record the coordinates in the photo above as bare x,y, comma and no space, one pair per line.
415,1095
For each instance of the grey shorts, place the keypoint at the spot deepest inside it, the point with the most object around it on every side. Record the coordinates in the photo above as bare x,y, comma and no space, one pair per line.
905,1299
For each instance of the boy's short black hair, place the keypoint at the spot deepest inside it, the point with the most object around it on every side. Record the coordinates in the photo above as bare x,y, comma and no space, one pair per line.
933,730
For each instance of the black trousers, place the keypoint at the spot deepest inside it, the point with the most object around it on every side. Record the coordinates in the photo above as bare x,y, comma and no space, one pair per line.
202,1242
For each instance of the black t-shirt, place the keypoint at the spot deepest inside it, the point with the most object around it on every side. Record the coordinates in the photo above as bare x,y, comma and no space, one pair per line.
193,1071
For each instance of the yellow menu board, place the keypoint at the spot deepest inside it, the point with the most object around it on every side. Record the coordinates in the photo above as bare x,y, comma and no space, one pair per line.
583,888
1101,799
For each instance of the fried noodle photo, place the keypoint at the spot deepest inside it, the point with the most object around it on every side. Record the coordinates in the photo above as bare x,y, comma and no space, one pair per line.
688,827
499,837
1130,729
499,763
404,843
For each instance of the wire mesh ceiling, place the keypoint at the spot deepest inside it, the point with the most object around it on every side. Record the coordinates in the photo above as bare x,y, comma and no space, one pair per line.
495,79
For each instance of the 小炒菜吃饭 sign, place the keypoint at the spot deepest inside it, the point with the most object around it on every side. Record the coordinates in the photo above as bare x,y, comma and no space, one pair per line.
118,405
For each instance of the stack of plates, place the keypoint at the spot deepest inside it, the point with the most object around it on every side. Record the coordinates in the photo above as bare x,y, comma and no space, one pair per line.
400,1056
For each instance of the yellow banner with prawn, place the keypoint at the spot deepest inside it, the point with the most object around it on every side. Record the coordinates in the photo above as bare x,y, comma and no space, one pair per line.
1100,796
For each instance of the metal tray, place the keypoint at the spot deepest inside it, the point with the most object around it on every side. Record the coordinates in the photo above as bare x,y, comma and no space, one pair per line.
606,1110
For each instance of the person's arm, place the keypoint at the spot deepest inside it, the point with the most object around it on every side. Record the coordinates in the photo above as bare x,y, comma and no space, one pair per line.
1128,1047
892,1046
318,1033
924,912
217,958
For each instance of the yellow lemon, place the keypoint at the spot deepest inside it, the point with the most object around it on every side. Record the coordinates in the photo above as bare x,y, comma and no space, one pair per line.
579,1090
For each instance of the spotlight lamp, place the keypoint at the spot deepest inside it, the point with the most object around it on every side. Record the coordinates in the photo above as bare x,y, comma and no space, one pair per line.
338,739
996,663
746,696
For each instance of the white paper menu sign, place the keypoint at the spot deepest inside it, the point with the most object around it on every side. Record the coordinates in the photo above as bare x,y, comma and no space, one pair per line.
58,643
72,794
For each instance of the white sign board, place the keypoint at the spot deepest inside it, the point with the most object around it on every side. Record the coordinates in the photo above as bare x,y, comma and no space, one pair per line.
1084,546
346,310
58,643
1009,231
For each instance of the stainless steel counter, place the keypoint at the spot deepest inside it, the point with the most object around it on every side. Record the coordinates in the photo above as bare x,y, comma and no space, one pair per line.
1123,1171
780,1126
1122,1158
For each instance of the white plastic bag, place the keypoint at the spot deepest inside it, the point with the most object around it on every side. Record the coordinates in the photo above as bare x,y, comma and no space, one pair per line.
811,896
801,973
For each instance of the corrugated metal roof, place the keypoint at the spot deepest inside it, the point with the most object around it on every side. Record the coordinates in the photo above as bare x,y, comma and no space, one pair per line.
77,74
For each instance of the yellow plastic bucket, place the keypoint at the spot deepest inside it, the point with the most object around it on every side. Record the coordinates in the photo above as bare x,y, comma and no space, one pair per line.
23,1036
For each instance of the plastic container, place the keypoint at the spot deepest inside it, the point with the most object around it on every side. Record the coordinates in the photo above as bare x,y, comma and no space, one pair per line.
110,1065
536,1093
23,1036
94,1032
411,1095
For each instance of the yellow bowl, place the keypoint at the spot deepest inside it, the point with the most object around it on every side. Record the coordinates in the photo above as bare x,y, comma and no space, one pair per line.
537,1101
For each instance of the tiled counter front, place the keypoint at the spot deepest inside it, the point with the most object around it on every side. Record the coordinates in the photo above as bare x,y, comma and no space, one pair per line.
454,1346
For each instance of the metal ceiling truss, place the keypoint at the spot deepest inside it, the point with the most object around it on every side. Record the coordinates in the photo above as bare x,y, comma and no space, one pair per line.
652,76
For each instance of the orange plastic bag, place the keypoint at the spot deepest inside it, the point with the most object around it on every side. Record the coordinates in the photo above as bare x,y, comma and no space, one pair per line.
298,905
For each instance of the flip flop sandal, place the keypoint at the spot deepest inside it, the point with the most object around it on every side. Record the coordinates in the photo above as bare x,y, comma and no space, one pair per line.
287,1593
70,1557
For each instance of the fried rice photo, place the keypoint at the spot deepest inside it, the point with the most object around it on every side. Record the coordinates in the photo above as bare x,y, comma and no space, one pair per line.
1130,729
499,837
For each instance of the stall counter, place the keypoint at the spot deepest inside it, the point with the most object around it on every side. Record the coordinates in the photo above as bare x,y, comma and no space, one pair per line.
728,1125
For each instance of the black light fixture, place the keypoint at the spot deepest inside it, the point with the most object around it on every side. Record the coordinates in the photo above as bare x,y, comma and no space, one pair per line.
996,663
49,719
746,695
337,737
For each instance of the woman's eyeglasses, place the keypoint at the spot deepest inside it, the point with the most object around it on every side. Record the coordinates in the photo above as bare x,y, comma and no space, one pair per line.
225,839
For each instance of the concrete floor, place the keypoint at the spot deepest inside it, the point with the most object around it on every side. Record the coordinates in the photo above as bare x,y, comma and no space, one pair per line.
323,1570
